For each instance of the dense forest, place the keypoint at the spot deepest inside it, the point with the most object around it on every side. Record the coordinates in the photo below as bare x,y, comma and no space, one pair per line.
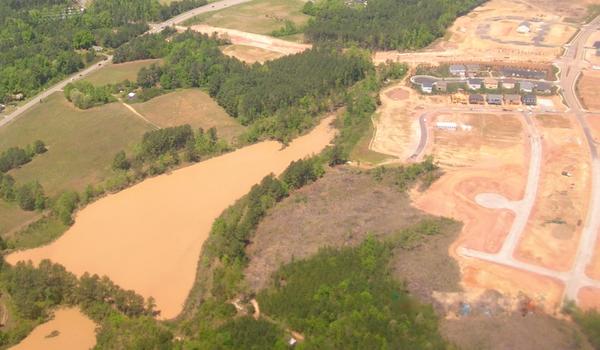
42,41
278,99
383,24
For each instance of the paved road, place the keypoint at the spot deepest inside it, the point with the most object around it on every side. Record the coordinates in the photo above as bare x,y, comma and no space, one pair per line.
55,88
217,5
423,136
79,75
571,65
574,58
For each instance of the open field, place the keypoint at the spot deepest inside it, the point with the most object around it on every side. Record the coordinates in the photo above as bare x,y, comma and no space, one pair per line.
259,41
115,73
191,106
322,214
590,53
68,330
552,235
250,54
536,331
258,16
168,216
12,217
589,91
81,144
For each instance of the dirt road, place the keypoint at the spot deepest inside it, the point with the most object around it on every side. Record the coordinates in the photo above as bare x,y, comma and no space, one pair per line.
264,42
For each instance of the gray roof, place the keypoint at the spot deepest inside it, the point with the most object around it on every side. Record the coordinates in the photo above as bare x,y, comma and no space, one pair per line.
457,68
543,86
597,44
494,97
526,85
476,81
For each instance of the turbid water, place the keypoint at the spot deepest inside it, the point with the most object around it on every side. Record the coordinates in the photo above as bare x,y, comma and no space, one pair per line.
148,237
68,330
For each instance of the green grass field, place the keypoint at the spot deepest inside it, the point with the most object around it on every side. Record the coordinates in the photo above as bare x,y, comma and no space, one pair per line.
190,106
361,152
115,73
258,16
12,218
81,144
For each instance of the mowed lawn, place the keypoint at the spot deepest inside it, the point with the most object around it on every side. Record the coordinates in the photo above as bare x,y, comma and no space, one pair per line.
190,106
115,73
258,16
81,144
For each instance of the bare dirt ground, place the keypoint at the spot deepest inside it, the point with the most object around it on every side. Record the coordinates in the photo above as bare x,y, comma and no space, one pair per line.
589,298
75,332
590,53
588,89
552,234
250,39
537,331
489,33
149,236
396,120
593,269
493,157
322,214
250,54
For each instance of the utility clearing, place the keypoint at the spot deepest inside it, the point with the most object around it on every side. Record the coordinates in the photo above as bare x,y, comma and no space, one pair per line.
68,330
148,237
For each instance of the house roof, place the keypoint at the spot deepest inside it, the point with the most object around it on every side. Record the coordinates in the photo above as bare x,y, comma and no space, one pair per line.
475,81
597,44
512,97
491,81
526,84
494,97
457,67
543,86
529,97
476,97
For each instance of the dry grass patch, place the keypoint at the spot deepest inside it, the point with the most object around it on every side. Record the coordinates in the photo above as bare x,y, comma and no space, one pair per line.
588,89
250,54
339,210
115,73
81,143
191,106
13,218
258,16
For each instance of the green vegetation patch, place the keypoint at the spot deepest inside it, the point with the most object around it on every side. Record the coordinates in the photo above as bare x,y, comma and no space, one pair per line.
347,299
81,144
258,16
115,73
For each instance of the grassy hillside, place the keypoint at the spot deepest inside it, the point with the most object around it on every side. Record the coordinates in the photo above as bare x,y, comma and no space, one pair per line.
258,16
81,144
115,73
190,106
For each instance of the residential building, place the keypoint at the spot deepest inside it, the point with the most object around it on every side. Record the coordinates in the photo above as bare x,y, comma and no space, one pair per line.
457,70
543,87
441,86
476,99
473,69
529,100
526,86
491,83
509,84
427,87
475,84
512,99
493,99
459,98
597,45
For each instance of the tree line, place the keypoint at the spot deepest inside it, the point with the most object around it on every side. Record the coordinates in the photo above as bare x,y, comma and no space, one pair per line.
279,99
383,24
41,41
